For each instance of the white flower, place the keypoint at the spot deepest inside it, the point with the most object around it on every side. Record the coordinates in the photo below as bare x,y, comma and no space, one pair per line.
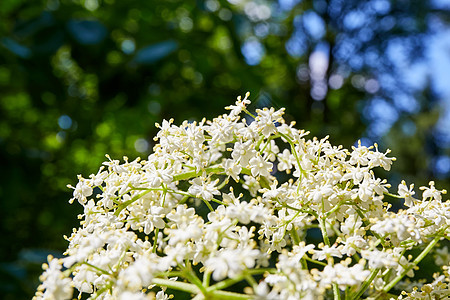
359,155
221,130
351,224
266,118
262,292
285,160
432,192
186,225
232,169
344,276
140,272
353,244
274,191
379,259
407,193
203,188
155,175
365,190
327,252
55,285
320,192
241,211
243,152
355,173
298,251
128,295
380,159
154,218
399,227
240,105
162,296
251,184
442,256
270,151
82,190
168,215
231,262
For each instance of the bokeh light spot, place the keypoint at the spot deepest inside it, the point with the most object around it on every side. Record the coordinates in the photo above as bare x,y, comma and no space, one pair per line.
128,46
141,145
65,122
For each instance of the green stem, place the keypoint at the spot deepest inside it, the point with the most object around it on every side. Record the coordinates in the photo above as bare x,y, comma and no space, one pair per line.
225,283
295,236
207,204
268,142
155,240
164,194
366,224
192,277
261,271
225,295
415,263
323,229
191,174
336,292
261,139
294,152
206,278
251,281
314,261
184,199
393,196
167,274
214,291
126,203
304,264
97,268
193,289
217,201
248,113
99,292
177,285
366,284
337,207
224,183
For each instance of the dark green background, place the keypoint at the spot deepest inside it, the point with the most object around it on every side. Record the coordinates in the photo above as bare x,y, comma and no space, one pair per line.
79,80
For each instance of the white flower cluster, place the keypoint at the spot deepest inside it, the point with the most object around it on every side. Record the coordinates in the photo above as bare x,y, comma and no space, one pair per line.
231,200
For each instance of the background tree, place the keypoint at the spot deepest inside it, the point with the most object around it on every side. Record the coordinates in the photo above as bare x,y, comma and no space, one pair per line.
83,78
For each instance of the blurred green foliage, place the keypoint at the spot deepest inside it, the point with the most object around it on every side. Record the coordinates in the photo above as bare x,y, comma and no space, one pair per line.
82,78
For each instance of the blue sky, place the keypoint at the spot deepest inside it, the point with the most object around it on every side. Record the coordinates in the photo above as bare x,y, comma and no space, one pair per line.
382,113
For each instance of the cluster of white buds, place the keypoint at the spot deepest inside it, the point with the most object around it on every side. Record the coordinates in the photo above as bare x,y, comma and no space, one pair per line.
249,200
